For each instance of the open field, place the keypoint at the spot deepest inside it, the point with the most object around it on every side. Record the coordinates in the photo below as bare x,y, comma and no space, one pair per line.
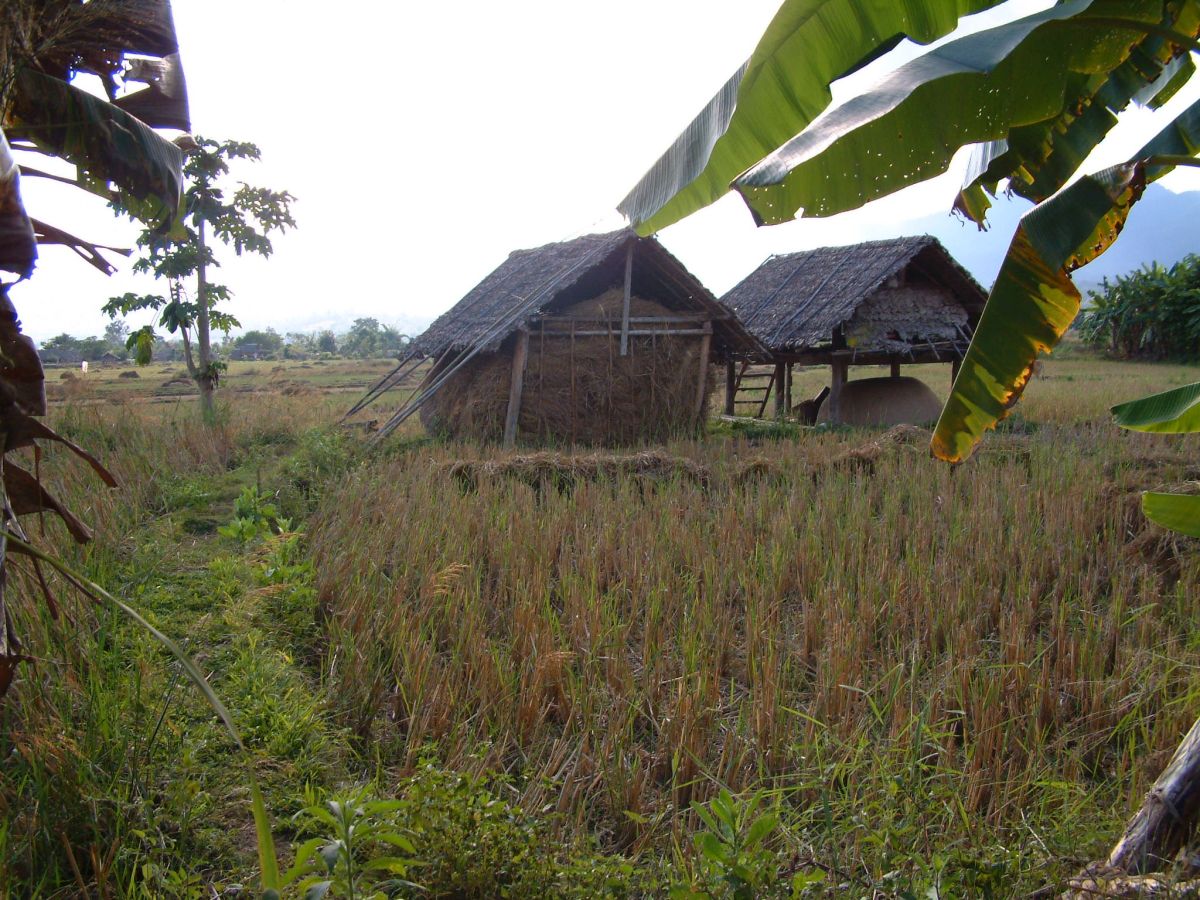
958,680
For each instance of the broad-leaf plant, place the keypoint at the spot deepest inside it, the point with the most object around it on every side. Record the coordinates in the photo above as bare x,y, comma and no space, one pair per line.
1032,96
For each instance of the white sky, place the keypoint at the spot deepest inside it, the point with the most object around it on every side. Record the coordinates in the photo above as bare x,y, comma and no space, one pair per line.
427,141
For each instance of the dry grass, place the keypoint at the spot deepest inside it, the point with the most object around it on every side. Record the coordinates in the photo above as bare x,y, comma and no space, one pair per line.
1001,644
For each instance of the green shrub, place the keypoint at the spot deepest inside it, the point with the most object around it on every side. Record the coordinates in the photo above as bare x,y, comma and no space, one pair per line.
1153,313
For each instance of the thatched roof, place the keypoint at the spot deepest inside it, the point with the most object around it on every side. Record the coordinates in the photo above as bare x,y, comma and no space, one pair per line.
532,282
795,301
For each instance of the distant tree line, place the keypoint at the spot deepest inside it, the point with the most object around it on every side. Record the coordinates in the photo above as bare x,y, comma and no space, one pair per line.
367,338
1152,313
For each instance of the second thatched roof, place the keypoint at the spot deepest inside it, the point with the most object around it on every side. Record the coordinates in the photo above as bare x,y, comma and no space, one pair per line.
795,301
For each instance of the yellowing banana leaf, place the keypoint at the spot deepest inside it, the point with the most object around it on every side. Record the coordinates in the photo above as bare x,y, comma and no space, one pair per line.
781,89
1178,512
1171,412
18,249
978,88
1033,301
104,142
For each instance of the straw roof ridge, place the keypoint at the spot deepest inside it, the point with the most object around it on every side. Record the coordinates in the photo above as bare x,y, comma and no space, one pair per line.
529,281
796,300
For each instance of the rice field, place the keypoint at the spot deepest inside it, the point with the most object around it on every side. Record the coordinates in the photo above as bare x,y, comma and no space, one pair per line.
933,679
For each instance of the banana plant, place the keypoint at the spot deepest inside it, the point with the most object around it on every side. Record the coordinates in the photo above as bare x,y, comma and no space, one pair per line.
117,154
1032,96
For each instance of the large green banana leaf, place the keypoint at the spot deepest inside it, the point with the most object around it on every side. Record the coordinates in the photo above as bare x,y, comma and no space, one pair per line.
1178,512
1036,160
781,89
105,143
977,88
1033,301
1171,412
18,250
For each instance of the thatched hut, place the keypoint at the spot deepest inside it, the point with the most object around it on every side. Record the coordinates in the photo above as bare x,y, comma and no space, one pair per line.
605,339
887,302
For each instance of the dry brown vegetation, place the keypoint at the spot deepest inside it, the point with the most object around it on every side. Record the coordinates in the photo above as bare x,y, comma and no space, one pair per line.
925,654
921,669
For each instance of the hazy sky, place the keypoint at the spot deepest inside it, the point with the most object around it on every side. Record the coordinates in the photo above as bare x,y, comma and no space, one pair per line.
427,141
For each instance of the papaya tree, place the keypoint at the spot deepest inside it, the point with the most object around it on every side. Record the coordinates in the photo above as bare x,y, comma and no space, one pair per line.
1033,97
242,218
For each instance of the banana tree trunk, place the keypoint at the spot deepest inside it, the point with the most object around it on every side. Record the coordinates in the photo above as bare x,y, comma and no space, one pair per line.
1167,817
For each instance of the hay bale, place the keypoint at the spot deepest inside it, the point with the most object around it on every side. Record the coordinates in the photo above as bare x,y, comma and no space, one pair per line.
579,391
886,401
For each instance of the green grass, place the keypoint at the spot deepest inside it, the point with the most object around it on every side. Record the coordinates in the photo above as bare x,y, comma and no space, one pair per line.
920,676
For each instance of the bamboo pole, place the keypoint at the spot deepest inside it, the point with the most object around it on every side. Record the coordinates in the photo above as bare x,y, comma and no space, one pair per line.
840,368
702,382
780,374
627,297
520,355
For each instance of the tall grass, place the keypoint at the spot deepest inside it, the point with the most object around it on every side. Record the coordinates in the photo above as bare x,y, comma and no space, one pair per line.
99,780
913,656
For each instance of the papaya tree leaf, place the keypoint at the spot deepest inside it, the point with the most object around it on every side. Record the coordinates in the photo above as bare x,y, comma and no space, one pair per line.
781,89
1033,301
1170,412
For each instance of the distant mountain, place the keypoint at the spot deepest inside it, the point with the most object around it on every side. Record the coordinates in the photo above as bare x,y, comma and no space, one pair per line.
1161,227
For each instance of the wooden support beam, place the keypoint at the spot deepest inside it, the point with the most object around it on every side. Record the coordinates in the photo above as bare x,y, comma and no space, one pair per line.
702,382
517,384
895,367
787,384
730,387
627,297
955,365
840,367
780,370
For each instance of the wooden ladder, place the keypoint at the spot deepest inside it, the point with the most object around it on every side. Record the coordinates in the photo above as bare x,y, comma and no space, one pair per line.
757,384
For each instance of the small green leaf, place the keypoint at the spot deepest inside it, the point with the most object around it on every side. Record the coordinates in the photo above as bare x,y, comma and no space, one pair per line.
762,826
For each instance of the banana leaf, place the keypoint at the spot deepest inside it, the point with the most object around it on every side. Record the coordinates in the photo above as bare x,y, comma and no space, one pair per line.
18,249
1038,159
781,89
978,88
105,143
1178,512
1171,412
1033,301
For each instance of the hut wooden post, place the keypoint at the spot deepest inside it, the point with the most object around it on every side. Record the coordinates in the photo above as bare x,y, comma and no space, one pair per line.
520,355
777,381
840,368
955,365
730,387
787,394
627,299
895,367
702,381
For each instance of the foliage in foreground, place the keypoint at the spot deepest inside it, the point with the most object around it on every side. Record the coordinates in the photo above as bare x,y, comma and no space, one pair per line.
1153,313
